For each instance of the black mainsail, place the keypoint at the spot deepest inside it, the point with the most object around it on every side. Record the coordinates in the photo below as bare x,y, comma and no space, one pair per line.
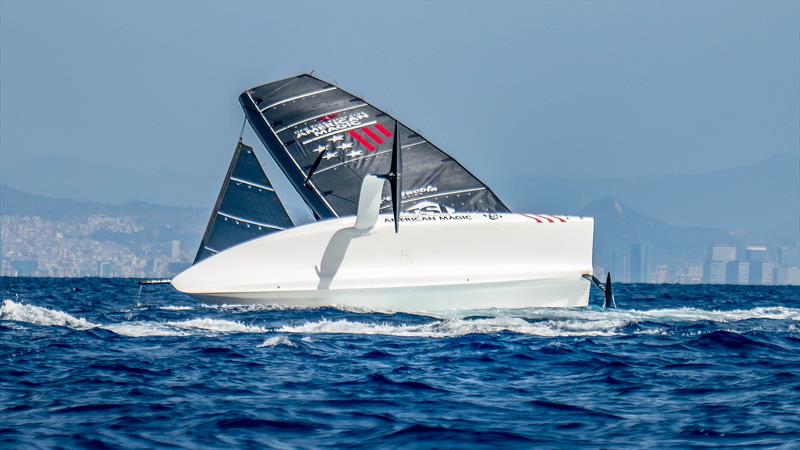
309,125
247,206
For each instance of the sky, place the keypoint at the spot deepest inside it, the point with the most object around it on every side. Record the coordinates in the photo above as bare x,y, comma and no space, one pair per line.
113,101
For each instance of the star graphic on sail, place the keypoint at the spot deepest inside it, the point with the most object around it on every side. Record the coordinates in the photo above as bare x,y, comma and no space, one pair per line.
329,155
337,138
354,153
320,148
345,146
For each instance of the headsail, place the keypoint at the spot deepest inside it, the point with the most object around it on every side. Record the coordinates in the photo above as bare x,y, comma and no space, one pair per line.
304,120
247,206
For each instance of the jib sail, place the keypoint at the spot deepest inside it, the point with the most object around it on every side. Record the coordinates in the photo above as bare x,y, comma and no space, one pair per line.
304,120
247,206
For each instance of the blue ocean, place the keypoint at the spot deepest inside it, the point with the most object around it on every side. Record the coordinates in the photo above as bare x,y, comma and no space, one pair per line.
97,363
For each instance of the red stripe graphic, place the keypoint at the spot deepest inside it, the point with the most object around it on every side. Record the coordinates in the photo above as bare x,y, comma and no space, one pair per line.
547,218
361,140
555,217
374,136
383,130
533,217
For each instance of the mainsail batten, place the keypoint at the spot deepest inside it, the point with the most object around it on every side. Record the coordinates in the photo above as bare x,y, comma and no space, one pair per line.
312,127
291,169
247,206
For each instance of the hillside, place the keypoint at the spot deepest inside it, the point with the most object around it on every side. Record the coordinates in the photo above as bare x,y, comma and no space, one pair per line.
618,227
761,200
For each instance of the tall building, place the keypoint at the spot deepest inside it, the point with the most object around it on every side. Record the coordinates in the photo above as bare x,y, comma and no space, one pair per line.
762,273
621,267
175,250
789,256
738,272
105,269
722,253
756,254
788,270
790,276
641,262
715,272
692,274
660,275
715,268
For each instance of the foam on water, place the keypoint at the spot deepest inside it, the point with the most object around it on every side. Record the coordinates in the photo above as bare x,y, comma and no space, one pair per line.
542,322
216,326
275,341
460,327
37,315
176,308
545,322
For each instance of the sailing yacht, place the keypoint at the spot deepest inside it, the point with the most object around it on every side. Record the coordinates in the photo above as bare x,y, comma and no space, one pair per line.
399,224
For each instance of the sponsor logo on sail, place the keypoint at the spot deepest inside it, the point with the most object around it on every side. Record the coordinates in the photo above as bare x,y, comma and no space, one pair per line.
428,207
331,124
414,193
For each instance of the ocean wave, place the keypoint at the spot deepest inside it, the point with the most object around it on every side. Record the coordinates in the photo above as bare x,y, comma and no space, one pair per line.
670,315
216,326
666,316
275,341
460,327
176,308
37,315
543,322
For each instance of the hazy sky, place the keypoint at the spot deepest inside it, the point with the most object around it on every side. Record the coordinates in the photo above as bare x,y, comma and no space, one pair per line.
113,101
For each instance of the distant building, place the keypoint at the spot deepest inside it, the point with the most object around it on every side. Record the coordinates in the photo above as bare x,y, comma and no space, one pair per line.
762,273
661,275
756,254
789,275
722,253
789,256
692,274
175,268
621,267
600,272
738,272
715,268
641,262
105,269
175,250
25,267
715,272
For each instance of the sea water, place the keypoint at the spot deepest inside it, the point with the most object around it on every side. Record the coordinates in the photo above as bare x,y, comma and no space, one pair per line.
95,363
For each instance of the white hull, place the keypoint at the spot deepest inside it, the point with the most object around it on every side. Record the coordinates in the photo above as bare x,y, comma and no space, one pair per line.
437,262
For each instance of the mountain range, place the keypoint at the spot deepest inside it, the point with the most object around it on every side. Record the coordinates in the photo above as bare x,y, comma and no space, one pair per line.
159,223
758,202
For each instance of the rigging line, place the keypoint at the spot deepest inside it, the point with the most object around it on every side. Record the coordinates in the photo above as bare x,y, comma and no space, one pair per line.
298,97
241,133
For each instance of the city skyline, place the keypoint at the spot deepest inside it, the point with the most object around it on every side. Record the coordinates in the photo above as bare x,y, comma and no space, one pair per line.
139,240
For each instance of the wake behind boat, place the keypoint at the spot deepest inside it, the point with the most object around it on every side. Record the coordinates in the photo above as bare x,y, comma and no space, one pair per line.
399,223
